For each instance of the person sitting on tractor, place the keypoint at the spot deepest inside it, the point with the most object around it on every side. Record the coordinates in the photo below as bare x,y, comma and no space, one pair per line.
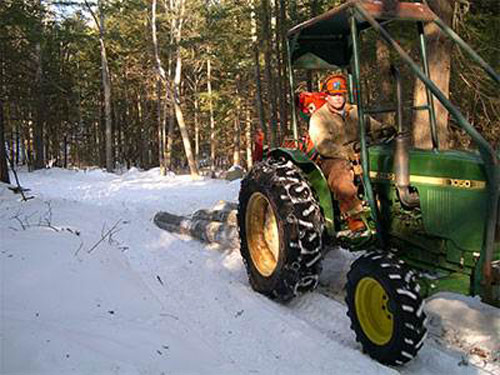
333,129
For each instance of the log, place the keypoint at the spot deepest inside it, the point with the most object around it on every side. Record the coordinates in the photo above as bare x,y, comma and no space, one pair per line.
217,225
227,217
225,206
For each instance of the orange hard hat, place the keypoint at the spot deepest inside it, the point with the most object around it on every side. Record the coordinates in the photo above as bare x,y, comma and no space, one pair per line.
335,84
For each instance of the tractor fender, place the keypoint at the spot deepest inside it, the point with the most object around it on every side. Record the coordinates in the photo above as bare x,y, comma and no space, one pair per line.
316,179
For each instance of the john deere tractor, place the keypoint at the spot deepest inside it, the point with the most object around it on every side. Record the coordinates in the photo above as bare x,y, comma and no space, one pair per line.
432,215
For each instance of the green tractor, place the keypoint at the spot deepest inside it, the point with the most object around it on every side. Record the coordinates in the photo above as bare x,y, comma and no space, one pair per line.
433,215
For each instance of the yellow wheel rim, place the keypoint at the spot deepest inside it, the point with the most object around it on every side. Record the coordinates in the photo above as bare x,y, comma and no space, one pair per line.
262,234
372,309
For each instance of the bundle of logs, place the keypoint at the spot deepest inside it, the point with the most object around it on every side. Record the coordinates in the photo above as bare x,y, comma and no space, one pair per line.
216,225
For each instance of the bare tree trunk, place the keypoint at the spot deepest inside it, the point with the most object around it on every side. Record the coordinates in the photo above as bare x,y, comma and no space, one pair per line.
236,141
65,151
80,121
4,172
211,109
439,54
258,93
19,151
125,138
196,127
28,140
237,124
160,129
117,145
180,118
168,135
282,58
38,143
249,138
176,89
170,108
16,149
106,84
258,82
161,76
313,12
171,119
266,28
106,81
141,141
384,77
100,133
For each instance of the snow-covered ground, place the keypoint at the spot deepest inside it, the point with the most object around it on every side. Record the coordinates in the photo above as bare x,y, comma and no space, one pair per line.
90,286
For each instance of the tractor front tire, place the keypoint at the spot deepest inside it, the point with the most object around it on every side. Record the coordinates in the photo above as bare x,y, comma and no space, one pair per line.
280,225
385,308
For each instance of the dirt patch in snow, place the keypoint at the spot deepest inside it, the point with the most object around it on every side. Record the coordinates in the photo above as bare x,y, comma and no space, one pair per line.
463,322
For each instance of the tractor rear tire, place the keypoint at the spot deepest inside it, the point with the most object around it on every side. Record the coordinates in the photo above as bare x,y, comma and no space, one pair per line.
385,308
280,225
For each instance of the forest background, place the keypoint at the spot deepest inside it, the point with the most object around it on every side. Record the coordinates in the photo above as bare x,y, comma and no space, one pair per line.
183,84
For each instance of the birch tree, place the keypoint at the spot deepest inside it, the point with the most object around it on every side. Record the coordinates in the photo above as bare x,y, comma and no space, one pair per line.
161,78
178,7
106,84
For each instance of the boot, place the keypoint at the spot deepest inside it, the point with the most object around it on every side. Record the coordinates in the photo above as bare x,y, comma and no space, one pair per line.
355,224
352,215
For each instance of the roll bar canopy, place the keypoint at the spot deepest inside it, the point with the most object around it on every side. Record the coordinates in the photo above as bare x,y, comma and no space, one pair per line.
324,42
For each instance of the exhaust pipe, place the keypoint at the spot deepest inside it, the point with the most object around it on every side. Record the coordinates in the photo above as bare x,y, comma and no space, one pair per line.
408,198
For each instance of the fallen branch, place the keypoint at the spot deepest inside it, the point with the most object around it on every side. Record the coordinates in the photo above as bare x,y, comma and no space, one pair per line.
109,233
79,248
21,223
47,219
44,221
18,189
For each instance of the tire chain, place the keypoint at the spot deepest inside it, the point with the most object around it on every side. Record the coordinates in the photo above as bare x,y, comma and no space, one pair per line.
298,193
303,274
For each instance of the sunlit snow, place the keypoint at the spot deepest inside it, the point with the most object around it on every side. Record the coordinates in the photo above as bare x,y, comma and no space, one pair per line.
89,285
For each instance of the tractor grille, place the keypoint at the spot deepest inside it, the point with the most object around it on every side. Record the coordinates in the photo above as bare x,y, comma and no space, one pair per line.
441,216
456,214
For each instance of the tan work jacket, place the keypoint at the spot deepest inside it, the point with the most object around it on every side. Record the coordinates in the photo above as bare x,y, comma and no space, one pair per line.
334,134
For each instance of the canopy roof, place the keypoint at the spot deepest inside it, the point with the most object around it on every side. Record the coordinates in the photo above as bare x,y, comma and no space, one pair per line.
324,42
